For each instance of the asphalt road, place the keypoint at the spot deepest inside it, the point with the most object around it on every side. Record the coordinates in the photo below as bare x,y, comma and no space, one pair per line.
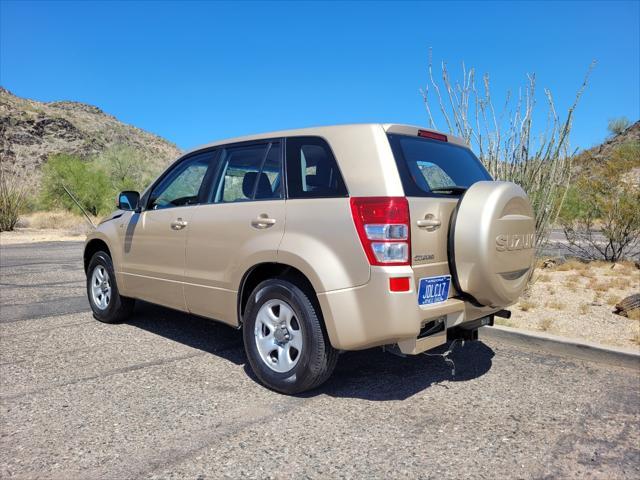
170,396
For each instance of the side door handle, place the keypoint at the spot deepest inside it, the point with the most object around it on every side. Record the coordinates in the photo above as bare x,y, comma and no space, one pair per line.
429,222
179,224
263,221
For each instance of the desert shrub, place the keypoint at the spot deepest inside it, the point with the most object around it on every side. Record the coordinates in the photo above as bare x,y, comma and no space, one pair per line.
13,198
546,323
505,140
126,168
89,184
526,305
601,218
556,305
612,299
618,125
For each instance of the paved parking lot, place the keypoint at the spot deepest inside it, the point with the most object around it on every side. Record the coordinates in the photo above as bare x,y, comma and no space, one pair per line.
170,396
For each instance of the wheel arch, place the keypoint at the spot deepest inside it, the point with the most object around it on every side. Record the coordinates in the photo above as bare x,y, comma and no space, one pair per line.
93,246
272,270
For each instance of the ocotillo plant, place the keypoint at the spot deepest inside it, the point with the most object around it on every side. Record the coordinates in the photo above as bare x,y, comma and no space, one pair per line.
506,142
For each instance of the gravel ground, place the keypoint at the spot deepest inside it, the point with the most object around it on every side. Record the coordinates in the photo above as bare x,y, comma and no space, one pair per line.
168,395
577,300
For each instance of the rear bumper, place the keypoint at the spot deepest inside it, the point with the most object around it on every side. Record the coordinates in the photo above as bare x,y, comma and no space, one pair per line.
371,315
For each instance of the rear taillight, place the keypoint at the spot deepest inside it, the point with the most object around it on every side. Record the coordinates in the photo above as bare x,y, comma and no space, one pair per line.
383,227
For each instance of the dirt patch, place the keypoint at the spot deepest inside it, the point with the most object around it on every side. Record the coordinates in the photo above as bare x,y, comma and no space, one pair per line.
577,300
55,226
30,235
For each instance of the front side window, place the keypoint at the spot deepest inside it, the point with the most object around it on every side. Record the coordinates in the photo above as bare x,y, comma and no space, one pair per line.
251,172
312,171
182,185
429,166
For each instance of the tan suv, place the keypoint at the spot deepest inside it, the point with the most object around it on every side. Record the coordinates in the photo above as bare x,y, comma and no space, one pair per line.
320,240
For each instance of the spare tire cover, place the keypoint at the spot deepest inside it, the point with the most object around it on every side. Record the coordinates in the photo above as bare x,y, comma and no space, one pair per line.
492,243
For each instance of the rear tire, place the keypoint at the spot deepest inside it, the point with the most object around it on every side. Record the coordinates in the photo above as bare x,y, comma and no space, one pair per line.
287,348
107,304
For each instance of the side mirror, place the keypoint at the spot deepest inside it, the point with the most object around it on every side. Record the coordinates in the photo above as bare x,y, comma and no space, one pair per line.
128,200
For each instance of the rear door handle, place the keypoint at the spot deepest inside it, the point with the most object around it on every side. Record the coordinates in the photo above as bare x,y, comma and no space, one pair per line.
263,221
179,224
428,223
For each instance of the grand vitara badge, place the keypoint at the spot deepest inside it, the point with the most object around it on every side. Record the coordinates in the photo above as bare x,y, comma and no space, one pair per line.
515,241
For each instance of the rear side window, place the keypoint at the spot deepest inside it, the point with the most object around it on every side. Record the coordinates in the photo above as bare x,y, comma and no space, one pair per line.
426,165
252,172
312,171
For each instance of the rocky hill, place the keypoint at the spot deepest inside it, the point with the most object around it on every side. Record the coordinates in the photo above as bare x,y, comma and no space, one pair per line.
30,131
586,160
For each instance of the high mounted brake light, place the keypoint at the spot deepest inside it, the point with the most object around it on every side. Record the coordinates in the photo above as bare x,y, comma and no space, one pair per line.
432,135
383,227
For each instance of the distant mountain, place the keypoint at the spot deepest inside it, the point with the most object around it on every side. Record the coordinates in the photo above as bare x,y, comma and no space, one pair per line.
30,131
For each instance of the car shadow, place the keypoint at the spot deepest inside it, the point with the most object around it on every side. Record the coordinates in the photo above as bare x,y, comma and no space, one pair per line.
371,374
382,376
190,330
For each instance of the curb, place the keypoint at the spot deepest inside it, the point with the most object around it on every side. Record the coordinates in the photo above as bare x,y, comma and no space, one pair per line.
619,357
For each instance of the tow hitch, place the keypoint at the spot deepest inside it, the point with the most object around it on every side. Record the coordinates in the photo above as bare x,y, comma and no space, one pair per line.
469,331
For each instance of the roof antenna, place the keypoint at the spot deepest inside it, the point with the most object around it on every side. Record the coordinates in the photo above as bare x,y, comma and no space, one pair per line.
79,206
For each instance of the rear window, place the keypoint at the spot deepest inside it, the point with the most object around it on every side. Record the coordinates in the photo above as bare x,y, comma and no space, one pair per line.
426,165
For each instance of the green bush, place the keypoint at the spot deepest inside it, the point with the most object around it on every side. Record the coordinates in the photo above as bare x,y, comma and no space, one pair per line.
89,184
618,125
601,214
94,182
126,168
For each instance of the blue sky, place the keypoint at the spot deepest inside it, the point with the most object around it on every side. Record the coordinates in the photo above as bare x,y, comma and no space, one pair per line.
200,71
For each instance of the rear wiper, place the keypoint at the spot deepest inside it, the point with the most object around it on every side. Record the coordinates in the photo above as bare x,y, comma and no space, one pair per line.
452,189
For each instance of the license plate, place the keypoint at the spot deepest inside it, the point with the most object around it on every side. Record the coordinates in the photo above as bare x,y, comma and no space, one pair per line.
433,290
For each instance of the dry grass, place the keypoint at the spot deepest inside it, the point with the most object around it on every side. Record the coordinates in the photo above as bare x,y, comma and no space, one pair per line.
597,299
560,302
620,282
574,278
526,305
572,282
597,286
621,268
586,273
556,305
55,219
572,265
612,300
545,324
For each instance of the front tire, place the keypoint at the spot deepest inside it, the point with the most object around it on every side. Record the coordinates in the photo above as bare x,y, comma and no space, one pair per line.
107,304
285,343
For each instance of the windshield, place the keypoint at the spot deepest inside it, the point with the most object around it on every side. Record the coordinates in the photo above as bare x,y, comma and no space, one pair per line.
430,166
